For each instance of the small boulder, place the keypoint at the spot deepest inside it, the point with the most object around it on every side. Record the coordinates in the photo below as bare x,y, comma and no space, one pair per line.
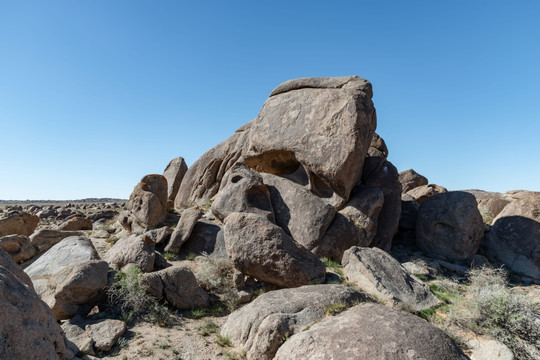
75,223
147,204
17,222
133,249
449,226
382,276
424,192
262,326
105,333
410,179
44,239
371,331
263,250
18,247
174,173
490,204
178,286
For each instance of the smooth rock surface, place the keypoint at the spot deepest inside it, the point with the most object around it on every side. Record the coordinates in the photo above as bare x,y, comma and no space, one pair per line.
186,223
133,249
263,250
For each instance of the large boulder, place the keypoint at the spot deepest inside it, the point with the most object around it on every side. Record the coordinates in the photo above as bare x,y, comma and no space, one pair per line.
514,239
263,250
354,225
299,212
378,146
382,174
174,174
19,223
18,247
382,276
75,287
242,190
186,223
28,329
449,226
178,285
370,332
147,204
319,126
70,251
490,204
410,179
203,178
44,239
263,325
203,238
133,249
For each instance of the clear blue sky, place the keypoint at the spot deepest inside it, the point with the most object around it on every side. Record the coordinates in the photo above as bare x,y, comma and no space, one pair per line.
96,94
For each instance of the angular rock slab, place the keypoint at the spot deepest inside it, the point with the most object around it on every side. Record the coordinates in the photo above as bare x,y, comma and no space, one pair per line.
70,251
449,226
174,174
383,277
147,204
186,223
410,179
242,190
371,332
75,287
261,326
7,262
44,239
28,329
514,239
134,249
324,125
76,223
424,192
263,250
298,211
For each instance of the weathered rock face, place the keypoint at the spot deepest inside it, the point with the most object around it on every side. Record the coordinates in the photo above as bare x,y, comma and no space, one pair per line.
320,126
44,239
75,287
378,146
449,226
514,239
242,190
380,275
371,331
490,204
410,179
203,178
7,262
178,285
298,211
385,177
174,174
70,251
424,192
27,326
354,225
183,229
263,250
19,223
18,247
105,333
147,204
76,223
134,249
202,239
261,326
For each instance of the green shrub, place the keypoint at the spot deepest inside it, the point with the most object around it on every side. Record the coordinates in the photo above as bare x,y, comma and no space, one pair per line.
130,297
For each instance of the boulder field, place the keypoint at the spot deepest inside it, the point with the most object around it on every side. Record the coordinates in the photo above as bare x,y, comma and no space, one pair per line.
299,216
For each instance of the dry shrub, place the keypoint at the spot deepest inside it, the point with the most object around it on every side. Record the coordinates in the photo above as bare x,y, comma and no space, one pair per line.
216,276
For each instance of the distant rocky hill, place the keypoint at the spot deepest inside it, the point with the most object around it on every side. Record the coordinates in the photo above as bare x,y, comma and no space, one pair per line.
87,200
